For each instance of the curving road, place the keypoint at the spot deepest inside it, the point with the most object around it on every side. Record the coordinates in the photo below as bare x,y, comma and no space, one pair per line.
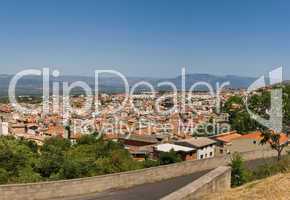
148,191
157,190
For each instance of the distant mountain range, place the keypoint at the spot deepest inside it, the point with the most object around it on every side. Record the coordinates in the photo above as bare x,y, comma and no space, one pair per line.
32,85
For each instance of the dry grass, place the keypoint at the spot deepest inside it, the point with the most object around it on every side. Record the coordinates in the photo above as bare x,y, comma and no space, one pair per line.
273,188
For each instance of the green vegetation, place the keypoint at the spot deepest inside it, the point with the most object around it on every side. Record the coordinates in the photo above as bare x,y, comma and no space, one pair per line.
58,159
32,99
259,103
240,119
22,161
169,158
273,138
241,174
271,168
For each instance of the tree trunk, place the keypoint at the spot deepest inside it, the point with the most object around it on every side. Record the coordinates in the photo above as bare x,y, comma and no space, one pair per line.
279,155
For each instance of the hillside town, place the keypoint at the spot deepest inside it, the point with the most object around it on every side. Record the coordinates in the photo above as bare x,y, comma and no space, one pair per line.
144,100
197,132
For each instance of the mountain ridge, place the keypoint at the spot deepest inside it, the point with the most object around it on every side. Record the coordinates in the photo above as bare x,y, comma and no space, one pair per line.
33,84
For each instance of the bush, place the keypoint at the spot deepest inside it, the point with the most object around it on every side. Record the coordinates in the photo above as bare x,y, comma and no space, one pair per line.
27,175
240,174
270,169
150,163
69,170
166,158
87,139
4,176
22,162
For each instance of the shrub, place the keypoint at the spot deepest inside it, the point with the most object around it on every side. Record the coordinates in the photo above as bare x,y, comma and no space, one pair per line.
240,174
166,158
27,175
150,163
270,169
4,176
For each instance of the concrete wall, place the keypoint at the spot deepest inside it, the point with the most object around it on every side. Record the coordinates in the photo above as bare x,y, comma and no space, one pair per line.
46,190
216,180
247,144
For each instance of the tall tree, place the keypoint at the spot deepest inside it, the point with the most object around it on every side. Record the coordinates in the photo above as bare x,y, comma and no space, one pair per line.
275,140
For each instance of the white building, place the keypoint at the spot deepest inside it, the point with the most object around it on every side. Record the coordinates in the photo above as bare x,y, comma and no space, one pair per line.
168,147
4,128
205,152
205,146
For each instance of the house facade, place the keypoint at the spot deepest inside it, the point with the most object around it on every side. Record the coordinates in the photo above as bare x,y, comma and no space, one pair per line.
205,147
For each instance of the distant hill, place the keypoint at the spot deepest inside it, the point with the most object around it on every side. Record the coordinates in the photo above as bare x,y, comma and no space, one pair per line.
32,85
234,81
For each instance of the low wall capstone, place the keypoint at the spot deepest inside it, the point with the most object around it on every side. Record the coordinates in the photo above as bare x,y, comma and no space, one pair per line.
216,180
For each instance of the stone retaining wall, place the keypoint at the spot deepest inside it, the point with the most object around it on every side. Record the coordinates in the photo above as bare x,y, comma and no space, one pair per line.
54,189
216,180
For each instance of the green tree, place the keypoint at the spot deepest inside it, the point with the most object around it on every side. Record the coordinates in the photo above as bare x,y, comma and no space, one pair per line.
274,139
233,104
240,119
70,169
239,171
88,139
52,156
21,161
28,175
4,176
56,142
50,162
15,155
166,158
259,104
242,122
150,163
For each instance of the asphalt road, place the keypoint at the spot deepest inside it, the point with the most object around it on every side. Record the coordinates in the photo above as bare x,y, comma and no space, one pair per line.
148,191
154,191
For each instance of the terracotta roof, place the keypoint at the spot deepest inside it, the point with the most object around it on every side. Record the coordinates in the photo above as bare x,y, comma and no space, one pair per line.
228,138
111,136
254,135
75,136
56,130
283,138
258,136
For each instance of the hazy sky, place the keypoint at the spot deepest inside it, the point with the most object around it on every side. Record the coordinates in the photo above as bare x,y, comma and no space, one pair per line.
146,38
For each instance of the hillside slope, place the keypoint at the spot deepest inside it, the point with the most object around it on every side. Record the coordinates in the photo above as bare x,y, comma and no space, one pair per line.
272,188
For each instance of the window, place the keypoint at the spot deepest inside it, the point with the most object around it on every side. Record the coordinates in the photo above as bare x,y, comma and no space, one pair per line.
205,155
254,142
210,154
221,151
201,156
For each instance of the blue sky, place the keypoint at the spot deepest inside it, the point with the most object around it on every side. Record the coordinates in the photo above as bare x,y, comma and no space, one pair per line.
146,37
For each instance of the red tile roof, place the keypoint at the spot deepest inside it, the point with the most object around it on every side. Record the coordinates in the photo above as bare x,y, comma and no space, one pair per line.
254,135
258,136
228,138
